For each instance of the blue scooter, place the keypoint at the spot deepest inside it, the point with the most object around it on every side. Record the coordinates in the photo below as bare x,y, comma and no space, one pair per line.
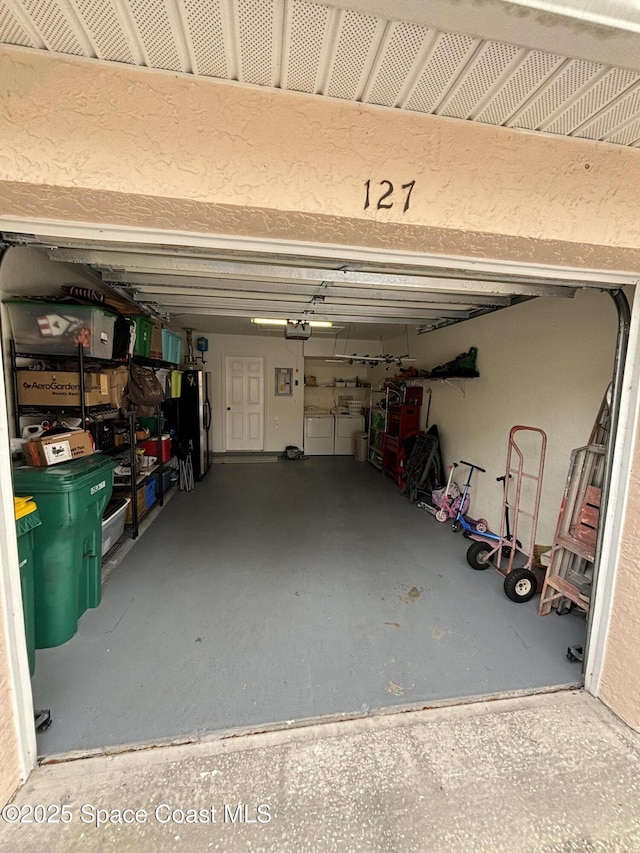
461,522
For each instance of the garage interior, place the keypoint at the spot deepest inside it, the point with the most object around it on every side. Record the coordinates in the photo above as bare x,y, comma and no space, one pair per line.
280,591
288,590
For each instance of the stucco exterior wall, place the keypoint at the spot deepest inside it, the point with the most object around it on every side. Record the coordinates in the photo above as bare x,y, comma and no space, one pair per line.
100,142
620,683
9,755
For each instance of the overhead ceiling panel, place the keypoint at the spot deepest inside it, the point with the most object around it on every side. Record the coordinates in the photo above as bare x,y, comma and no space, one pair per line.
107,29
58,31
533,71
255,36
449,56
574,77
155,21
206,36
479,78
218,282
630,135
623,110
358,39
12,30
306,30
612,84
404,45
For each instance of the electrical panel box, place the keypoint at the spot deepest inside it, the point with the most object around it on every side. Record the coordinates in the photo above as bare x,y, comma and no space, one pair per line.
284,381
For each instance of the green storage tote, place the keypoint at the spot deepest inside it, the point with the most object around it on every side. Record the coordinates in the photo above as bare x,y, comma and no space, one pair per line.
27,519
67,562
144,332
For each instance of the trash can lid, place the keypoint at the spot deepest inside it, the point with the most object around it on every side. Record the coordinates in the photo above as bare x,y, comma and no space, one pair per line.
64,477
28,522
24,506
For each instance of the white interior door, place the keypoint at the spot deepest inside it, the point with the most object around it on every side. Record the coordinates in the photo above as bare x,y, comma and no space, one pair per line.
244,403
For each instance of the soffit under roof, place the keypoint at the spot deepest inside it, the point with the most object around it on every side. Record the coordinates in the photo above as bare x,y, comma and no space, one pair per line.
483,62
500,63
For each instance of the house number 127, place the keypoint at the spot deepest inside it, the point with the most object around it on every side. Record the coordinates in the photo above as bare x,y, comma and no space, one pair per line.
383,198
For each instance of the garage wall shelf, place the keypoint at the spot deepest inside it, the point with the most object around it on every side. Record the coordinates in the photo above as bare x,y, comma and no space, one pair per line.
135,511
458,383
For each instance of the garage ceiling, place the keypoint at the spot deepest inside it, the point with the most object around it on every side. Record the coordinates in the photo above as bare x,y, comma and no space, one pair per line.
359,53
370,294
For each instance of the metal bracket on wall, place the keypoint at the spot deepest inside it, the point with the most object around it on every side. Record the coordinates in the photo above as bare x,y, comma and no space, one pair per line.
451,382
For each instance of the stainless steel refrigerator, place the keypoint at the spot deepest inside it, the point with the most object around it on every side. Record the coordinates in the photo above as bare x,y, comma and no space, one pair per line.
194,418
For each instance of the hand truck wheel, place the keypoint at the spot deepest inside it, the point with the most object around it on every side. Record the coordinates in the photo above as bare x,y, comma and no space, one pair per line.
520,585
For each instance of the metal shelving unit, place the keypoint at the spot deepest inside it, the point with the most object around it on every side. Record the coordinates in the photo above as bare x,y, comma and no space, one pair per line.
376,431
83,409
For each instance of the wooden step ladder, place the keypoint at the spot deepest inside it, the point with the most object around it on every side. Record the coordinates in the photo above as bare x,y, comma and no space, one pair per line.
600,431
570,572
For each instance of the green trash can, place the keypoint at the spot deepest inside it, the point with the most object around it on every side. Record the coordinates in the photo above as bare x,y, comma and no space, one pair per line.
67,562
27,519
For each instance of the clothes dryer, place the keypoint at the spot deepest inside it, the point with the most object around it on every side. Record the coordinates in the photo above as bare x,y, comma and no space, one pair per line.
318,434
346,427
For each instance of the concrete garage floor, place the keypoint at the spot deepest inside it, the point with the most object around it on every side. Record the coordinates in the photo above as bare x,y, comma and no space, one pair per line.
283,592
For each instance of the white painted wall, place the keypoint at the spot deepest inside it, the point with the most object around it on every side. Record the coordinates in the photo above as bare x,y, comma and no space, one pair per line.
283,415
544,363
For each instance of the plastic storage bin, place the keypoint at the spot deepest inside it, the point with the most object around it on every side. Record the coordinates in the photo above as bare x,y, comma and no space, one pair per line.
113,522
171,347
144,333
54,327
150,491
166,483
156,341
67,548
151,424
27,519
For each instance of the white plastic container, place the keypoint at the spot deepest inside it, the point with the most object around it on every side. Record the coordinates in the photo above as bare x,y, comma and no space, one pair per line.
113,522
360,440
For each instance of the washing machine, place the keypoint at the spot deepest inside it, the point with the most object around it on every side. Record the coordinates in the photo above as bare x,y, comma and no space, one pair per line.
318,433
345,428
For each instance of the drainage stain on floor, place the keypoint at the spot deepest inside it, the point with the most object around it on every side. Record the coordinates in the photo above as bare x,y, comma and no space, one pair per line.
413,595
439,633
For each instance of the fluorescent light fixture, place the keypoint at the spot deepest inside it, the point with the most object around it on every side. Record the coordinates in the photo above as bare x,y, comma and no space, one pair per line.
316,324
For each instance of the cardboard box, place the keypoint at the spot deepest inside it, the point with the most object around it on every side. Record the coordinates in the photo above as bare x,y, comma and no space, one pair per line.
141,500
53,388
58,448
118,379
